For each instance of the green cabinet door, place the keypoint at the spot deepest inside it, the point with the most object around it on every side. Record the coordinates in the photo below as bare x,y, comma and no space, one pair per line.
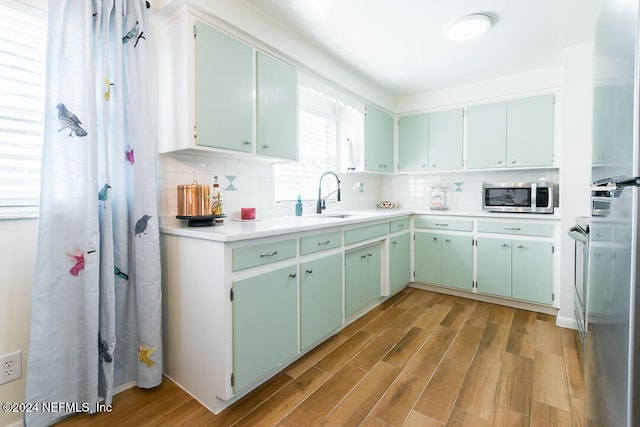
320,298
457,261
399,261
265,323
445,140
428,258
224,90
494,266
530,131
531,271
413,143
378,142
277,108
362,277
487,136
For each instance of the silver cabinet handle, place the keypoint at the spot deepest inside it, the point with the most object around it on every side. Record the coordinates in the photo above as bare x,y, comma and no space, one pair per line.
435,238
394,242
369,254
504,245
513,162
433,165
447,240
309,270
400,225
326,242
363,256
246,142
262,255
292,275
512,228
442,225
520,246
499,162
266,146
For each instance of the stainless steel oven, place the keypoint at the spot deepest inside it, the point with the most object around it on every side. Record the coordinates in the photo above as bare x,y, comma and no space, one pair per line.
580,235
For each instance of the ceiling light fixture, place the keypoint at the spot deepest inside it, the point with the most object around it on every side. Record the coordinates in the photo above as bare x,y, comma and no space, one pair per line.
468,27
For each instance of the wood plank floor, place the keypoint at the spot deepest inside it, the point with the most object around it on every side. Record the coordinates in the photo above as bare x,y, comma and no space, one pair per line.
418,359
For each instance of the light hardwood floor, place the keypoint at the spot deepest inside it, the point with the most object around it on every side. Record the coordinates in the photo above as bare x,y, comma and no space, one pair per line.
418,359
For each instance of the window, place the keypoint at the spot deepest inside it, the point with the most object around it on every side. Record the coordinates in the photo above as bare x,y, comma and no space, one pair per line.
22,86
317,153
328,131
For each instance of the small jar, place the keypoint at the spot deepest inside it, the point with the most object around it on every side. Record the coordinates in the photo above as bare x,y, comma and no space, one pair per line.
438,198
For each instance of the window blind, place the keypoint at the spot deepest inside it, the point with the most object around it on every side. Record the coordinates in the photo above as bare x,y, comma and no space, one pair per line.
23,29
317,153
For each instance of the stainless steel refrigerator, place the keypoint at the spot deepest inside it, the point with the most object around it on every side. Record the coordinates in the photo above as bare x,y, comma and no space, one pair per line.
611,358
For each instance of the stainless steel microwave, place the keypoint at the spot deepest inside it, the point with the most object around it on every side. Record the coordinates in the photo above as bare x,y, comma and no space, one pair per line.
525,197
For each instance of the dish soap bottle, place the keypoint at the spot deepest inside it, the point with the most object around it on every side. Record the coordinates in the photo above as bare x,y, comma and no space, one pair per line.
299,207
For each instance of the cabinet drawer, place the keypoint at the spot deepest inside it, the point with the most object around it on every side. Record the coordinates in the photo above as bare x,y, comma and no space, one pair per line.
367,232
520,228
399,225
444,223
320,242
251,256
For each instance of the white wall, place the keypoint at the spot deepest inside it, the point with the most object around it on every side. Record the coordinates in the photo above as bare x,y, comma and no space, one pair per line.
17,261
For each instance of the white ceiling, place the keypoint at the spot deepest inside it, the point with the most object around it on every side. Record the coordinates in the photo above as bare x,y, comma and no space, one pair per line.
400,44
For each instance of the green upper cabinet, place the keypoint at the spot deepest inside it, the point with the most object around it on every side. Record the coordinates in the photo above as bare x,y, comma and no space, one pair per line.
445,140
530,131
487,136
517,133
378,140
224,90
413,143
277,108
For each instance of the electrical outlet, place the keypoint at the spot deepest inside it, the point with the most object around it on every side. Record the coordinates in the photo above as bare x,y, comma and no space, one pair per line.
10,367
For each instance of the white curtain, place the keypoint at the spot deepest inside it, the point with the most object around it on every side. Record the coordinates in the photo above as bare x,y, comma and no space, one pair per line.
96,307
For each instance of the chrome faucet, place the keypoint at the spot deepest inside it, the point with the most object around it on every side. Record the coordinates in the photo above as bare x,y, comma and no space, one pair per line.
321,204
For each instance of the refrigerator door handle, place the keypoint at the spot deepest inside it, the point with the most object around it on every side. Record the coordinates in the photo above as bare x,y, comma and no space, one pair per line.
617,182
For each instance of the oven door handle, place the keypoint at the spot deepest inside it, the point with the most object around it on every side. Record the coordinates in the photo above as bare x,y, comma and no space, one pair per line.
577,234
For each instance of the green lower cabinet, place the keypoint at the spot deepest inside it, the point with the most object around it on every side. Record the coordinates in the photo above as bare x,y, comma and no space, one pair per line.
531,271
494,266
457,261
428,258
265,323
444,259
399,261
521,269
362,277
320,298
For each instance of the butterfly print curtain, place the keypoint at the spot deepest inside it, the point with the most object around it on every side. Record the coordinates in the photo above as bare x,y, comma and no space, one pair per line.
96,305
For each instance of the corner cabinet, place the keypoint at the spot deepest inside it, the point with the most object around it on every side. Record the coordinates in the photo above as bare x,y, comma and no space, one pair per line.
431,142
221,95
444,257
378,140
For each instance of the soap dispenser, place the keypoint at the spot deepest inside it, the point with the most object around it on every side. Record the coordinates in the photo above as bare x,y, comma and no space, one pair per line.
299,207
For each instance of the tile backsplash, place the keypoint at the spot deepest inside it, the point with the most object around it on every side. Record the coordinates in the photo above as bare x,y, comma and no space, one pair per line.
251,184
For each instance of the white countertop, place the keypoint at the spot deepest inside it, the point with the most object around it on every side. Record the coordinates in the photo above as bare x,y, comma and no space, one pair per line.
232,230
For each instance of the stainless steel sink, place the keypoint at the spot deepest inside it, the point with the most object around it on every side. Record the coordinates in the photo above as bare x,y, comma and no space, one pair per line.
336,215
